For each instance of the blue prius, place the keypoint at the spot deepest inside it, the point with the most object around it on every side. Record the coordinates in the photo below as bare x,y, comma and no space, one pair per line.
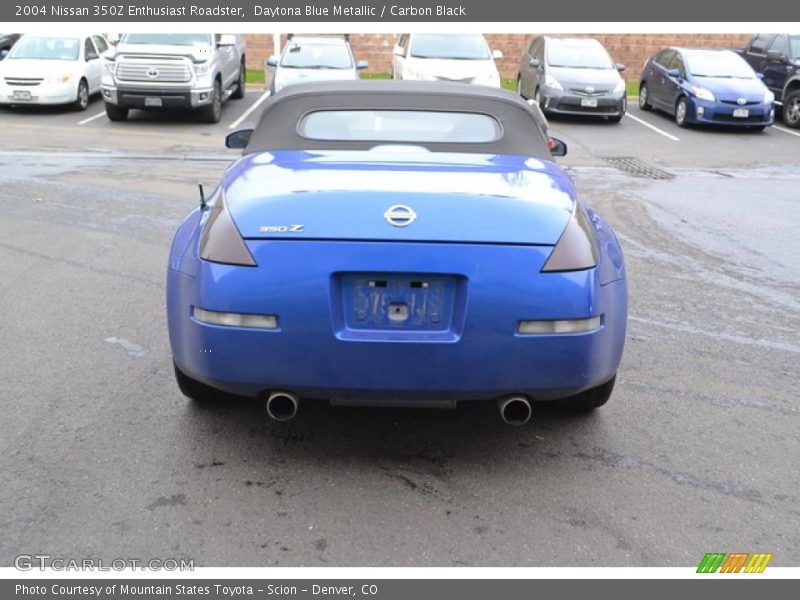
706,86
397,244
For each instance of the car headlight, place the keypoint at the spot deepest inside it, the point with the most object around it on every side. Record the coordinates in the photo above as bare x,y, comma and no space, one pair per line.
221,241
703,93
110,66
769,97
620,87
576,249
552,82
201,69
58,79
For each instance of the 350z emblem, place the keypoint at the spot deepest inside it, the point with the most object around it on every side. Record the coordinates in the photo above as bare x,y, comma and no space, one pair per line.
281,228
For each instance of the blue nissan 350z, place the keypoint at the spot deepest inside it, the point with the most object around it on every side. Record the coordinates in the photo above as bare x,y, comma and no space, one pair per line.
397,244
706,86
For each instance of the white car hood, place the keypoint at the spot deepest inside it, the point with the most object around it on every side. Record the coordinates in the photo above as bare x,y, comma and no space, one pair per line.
451,68
35,68
194,53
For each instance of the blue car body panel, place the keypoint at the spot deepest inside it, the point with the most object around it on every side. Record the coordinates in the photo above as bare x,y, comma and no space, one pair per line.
485,227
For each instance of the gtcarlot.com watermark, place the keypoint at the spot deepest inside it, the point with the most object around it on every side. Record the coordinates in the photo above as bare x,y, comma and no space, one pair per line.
45,562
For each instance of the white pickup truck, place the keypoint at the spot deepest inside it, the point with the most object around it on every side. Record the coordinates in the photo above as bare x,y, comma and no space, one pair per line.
191,71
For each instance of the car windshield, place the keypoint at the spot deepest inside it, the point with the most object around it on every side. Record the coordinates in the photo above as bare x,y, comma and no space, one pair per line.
406,126
316,56
720,65
578,57
169,39
46,48
457,47
794,46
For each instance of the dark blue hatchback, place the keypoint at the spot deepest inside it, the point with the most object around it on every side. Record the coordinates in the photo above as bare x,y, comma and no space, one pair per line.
706,86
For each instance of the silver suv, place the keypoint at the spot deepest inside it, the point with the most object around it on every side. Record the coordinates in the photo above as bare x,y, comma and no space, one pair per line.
192,71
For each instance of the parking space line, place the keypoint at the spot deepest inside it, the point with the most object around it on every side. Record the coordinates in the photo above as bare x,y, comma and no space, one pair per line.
249,111
97,116
653,127
786,130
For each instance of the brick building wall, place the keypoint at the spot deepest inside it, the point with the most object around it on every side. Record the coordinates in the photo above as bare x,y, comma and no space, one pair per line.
630,49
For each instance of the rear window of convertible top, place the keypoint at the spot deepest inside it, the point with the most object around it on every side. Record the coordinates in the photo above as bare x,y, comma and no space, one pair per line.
406,126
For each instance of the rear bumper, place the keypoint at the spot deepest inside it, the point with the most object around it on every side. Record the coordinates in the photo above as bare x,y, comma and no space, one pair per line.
309,355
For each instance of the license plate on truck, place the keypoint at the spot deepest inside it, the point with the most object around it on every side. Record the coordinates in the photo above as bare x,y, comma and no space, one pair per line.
152,101
741,113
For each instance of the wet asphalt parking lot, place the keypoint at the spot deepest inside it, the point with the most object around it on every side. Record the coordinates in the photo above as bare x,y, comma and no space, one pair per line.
103,457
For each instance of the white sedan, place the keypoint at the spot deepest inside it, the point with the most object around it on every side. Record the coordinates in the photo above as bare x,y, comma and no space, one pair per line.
52,70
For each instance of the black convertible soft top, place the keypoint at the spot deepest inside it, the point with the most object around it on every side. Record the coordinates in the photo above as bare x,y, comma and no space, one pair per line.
523,126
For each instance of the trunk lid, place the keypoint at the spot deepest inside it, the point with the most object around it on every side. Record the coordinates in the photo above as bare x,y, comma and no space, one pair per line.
399,194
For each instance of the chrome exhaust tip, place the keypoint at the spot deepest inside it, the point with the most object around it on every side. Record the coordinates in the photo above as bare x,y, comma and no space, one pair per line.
282,406
514,410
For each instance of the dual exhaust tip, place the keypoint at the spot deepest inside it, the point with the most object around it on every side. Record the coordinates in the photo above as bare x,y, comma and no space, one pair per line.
282,406
514,410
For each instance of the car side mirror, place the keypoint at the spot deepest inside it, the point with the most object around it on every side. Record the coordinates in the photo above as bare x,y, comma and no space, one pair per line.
91,56
760,75
3,53
272,61
361,65
398,50
557,147
534,63
497,54
775,56
113,38
226,39
238,139
620,67
674,73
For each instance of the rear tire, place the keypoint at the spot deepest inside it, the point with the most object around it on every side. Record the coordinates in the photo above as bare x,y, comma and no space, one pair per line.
791,109
588,400
200,393
644,100
116,113
238,93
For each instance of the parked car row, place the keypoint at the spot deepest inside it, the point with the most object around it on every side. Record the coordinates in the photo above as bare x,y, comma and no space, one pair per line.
144,70
567,76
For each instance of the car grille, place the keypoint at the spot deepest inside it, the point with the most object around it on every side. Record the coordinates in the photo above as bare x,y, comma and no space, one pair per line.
597,92
736,103
23,81
723,118
159,71
456,80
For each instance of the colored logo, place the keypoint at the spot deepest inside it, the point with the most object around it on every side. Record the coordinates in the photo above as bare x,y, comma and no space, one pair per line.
736,562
